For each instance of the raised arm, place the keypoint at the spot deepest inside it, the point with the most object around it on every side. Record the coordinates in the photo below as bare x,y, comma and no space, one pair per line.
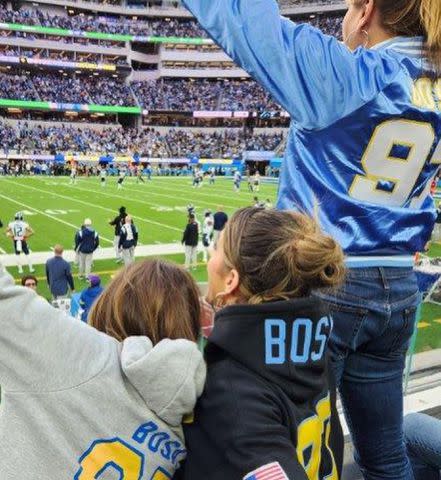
312,75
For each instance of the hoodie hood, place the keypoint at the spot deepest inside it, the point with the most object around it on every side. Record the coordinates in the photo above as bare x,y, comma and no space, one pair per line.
284,342
169,376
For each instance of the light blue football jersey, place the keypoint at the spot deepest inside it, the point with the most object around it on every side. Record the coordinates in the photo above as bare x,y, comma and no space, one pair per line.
365,137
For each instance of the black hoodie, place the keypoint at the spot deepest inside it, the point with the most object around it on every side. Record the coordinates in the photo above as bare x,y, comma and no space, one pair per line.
267,396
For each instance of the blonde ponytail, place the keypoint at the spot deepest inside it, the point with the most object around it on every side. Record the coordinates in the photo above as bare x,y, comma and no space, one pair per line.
414,18
430,12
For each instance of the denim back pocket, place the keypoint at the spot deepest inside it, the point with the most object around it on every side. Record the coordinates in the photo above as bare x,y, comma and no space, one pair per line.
347,324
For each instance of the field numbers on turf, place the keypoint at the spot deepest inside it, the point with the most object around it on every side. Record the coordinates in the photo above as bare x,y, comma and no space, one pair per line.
28,213
59,212
393,161
168,209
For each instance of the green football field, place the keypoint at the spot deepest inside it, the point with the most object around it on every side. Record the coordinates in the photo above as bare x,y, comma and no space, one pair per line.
55,210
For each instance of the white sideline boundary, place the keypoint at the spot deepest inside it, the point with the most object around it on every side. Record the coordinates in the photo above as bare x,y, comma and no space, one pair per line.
40,258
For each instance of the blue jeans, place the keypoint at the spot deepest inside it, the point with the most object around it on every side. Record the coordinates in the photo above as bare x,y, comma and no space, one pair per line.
374,318
423,440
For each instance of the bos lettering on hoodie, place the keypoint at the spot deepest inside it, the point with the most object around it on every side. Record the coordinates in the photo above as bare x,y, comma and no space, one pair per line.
268,404
78,404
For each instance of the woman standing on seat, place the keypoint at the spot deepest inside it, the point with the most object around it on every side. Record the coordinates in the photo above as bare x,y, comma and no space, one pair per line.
364,146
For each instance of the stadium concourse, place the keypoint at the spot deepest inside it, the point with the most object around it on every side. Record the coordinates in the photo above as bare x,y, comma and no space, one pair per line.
110,103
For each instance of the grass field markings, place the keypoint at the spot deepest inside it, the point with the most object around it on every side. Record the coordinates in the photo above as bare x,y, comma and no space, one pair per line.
228,183
2,251
194,192
203,202
148,193
73,199
423,325
120,197
438,320
188,197
49,216
157,205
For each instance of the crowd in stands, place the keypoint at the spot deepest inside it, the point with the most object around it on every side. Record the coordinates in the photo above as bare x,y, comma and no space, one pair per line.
162,94
123,25
62,55
32,138
190,95
70,89
180,94
64,138
61,39
227,143
17,87
104,24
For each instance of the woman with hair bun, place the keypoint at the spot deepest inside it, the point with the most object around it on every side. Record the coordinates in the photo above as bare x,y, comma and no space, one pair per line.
267,407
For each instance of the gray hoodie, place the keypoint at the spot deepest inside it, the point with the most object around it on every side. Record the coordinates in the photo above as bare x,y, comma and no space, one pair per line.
77,404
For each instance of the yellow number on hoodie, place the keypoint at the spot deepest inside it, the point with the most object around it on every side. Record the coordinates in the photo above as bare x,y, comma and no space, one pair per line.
311,434
115,454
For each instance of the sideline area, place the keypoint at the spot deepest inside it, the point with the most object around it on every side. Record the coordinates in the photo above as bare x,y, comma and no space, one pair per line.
40,258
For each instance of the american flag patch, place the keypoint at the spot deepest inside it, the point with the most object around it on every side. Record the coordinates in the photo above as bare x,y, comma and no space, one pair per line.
271,471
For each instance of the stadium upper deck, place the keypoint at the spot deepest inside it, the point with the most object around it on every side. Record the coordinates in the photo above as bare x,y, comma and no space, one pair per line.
71,61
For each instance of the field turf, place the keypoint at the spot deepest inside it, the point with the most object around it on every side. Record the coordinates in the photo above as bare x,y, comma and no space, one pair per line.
55,210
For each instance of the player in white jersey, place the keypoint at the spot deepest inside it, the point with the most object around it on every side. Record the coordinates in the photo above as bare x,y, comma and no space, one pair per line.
207,234
256,182
212,176
73,175
20,231
237,178
103,177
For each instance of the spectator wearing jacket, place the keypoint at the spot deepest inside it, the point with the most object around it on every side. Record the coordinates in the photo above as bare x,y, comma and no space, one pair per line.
128,240
76,243
59,275
89,295
108,391
190,239
117,223
86,242
267,408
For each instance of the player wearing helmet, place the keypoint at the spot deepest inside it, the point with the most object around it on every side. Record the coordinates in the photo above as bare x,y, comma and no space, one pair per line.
20,231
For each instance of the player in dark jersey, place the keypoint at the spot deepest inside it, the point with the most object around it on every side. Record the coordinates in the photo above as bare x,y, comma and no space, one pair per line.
121,177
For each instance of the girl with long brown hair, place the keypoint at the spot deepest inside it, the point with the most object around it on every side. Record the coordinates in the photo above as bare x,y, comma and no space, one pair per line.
107,402
363,148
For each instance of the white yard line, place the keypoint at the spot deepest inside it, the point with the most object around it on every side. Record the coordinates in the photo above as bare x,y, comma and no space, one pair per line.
40,258
187,196
150,190
73,199
206,190
28,207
